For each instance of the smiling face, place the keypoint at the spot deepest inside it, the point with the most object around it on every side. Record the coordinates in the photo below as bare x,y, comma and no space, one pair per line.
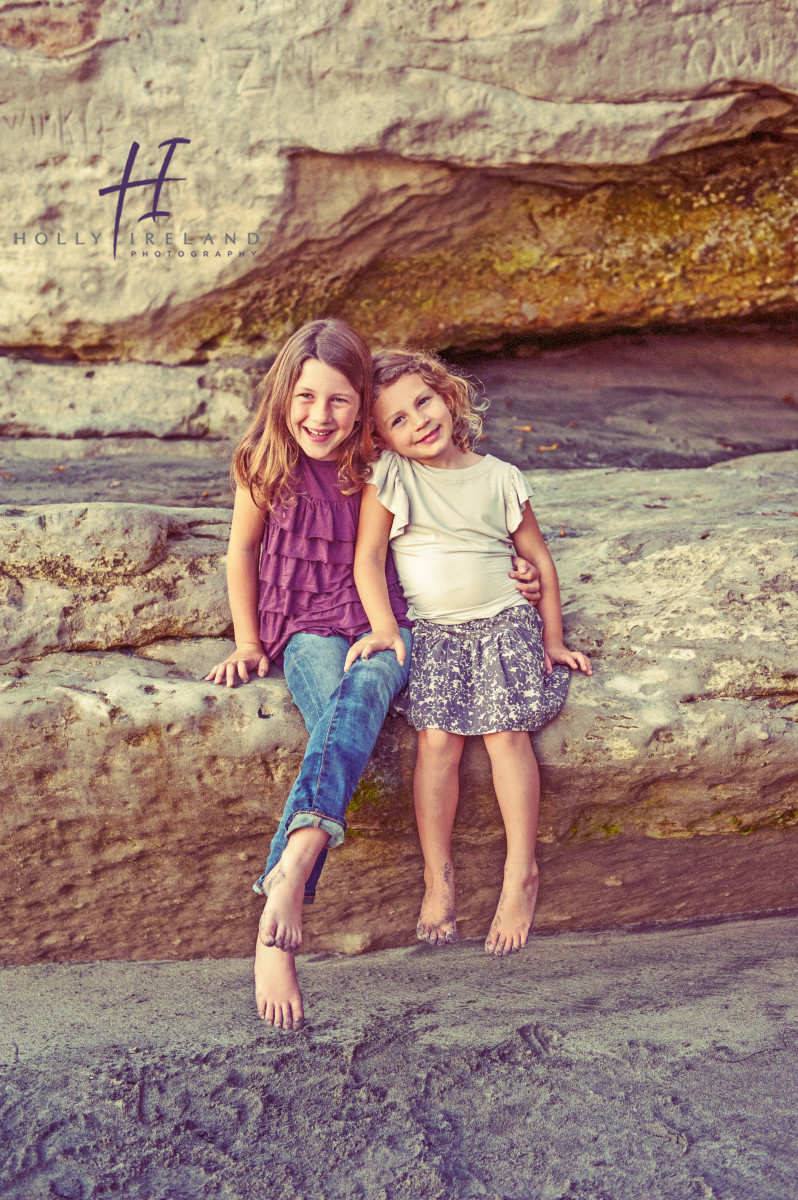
323,410
415,421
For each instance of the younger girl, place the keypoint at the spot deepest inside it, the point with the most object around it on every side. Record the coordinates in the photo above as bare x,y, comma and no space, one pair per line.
484,662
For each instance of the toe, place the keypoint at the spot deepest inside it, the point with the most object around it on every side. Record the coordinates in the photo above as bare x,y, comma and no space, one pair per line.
268,1013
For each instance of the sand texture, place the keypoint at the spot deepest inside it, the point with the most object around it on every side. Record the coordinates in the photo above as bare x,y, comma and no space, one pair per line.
654,1065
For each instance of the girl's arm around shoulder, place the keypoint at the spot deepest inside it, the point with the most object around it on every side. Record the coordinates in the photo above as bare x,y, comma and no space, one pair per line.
528,542
243,560
370,552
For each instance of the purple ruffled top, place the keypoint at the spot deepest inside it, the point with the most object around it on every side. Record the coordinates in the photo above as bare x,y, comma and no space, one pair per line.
307,581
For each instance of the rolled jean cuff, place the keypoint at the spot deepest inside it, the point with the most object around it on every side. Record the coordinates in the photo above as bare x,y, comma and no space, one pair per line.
306,819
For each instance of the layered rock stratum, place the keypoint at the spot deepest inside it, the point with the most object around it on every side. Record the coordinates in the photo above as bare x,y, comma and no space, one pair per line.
669,779
471,174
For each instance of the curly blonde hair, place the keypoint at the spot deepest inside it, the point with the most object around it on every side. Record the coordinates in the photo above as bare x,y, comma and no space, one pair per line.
267,456
461,397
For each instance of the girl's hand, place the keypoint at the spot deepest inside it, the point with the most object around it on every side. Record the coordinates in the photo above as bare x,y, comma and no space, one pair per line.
247,657
571,658
528,577
375,641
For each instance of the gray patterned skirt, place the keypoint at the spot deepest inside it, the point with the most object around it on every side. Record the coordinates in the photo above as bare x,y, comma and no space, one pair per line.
482,676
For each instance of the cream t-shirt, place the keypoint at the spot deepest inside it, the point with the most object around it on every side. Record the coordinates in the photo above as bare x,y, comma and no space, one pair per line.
451,534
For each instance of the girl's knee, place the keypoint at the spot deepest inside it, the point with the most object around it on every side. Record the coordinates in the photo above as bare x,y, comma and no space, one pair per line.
440,744
507,740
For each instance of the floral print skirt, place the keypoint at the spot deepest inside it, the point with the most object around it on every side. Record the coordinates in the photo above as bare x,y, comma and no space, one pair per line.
482,676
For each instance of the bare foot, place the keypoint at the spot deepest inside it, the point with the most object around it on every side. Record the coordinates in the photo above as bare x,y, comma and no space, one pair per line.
513,920
277,993
437,922
281,919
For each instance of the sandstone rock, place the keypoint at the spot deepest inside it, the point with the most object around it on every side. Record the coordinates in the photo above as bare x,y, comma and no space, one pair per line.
669,779
109,575
37,400
39,449
438,174
632,400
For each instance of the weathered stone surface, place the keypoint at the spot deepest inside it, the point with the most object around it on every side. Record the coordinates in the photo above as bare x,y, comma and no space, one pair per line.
669,779
443,174
630,400
136,401
84,576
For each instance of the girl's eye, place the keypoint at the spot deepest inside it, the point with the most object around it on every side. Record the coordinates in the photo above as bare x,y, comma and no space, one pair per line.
423,399
396,421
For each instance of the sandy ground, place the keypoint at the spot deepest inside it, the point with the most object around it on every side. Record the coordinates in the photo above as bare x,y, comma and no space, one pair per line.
607,1066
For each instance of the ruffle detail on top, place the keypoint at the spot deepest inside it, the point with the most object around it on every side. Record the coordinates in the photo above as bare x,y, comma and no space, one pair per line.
306,577
295,587
317,520
391,491
516,495
291,544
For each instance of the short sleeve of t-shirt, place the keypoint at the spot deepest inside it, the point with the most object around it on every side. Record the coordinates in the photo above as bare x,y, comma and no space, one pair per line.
516,493
391,492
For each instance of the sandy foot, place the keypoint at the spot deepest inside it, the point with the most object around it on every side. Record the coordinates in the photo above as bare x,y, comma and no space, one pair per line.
437,922
277,993
510,927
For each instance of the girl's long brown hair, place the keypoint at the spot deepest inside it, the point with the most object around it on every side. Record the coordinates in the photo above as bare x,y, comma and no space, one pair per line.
267,455
461,397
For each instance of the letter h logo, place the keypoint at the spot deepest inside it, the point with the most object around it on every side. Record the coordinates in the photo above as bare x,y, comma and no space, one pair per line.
158,183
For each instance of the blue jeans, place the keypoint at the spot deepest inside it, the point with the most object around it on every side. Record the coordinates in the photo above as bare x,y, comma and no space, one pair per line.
344,715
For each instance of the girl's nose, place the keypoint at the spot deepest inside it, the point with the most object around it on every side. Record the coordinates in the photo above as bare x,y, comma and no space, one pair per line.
320,411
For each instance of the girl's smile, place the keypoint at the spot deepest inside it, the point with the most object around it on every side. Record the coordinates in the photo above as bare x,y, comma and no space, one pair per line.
415,421
324,410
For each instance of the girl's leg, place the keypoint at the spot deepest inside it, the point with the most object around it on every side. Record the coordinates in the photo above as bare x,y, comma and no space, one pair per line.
313,669
339,747
517,783
436,788
314,819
